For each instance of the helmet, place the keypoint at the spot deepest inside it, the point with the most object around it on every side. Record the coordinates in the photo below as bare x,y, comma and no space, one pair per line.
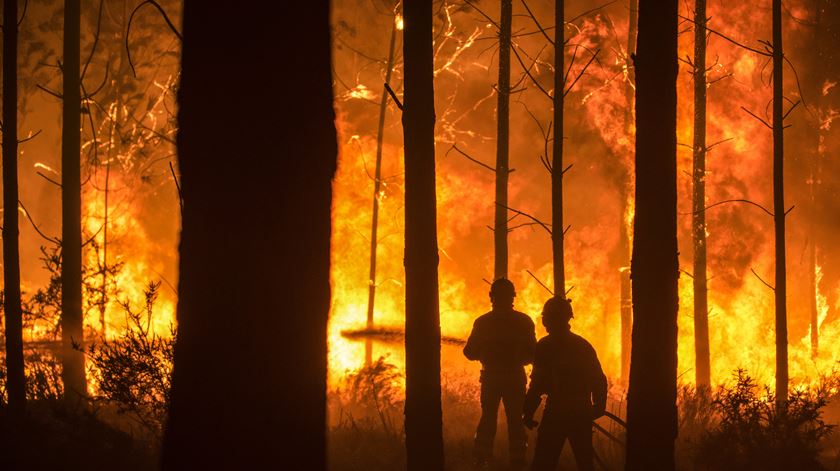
559,308
502,288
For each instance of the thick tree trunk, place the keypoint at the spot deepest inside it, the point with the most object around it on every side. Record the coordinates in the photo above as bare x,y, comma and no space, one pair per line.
557,228
651,399
72,319
257,159
423,422
779,209
625,300
15,380
500,228
698,223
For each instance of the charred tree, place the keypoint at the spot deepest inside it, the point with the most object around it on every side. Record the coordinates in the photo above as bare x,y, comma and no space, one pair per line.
500,227
625,301
779,208
815,134
249,383
423,421
698,224
12,310
652,394
377,188
73,360
557,170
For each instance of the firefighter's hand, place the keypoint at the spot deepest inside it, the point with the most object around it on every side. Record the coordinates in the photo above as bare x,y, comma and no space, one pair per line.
529,422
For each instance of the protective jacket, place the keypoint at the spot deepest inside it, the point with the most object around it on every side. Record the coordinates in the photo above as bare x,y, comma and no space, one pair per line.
566,368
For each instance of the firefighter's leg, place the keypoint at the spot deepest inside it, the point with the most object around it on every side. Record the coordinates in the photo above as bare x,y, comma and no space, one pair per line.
550,440
486,432
514,400
580,438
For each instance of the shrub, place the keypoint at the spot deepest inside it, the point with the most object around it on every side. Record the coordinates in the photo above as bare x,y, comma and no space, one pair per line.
753,433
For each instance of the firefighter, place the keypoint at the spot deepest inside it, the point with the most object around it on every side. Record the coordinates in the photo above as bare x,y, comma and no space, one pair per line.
503,340
566,368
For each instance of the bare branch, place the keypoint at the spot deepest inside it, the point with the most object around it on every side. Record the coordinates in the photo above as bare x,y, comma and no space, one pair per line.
583,71
712,146
30,137
37,229
49,179
540,282
542,224
727,38
95,41
454,147
732,201
55,94
516,54
128,29
762,280
177,185
756,117
536,22
394,96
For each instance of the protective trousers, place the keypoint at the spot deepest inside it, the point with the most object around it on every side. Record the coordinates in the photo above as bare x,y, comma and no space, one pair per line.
552,435
509,388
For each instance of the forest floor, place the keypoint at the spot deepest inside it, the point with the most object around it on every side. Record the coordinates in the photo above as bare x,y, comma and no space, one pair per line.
366,429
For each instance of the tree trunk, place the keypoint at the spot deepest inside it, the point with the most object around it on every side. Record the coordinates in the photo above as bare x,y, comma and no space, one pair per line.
423,423
814,170
701,303
651,399
15,379
73,361
779,209
625,301
255,239
557,227
377,187
500,228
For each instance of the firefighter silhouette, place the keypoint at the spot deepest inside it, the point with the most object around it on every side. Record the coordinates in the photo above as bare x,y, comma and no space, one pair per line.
566,368
503,340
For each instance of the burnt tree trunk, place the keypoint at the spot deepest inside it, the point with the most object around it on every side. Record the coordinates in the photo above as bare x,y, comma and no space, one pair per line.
377,187
500,227
626,225
72,319
254,267
15,380
652,394
698,224
423,422
779,208
557,232
814,175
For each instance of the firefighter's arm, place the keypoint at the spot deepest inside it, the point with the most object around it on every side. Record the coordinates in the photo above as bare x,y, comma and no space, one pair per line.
529,344
538,387
475,344
599,387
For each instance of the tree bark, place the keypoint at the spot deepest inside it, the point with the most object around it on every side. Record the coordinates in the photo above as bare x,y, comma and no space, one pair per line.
651,399
557,232
73,361
15,379
257,158
423,422
779,209
701,303
625,301
500,228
